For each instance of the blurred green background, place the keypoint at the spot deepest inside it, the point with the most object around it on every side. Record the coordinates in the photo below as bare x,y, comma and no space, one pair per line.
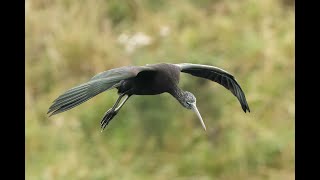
154,137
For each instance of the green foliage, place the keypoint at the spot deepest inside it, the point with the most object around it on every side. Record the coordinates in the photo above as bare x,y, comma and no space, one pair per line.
154,137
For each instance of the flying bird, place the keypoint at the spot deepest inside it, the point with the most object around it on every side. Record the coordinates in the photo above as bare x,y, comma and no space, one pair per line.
146,80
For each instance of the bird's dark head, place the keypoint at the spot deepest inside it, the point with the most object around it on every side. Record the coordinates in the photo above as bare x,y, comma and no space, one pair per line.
189,102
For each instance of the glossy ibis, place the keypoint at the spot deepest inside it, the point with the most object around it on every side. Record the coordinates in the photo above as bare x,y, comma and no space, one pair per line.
146,80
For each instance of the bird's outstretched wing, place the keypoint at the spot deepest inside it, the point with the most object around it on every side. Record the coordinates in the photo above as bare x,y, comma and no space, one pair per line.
97,84
217,75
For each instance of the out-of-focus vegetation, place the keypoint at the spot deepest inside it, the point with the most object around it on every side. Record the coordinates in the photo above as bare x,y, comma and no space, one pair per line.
154,137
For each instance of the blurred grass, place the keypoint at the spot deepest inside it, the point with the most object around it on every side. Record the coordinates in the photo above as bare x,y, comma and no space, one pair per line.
67,42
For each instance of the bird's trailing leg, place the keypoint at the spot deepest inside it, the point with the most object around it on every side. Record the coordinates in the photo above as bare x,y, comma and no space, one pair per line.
108,116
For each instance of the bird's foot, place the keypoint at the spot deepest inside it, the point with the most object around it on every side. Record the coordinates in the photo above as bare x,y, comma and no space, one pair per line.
107,118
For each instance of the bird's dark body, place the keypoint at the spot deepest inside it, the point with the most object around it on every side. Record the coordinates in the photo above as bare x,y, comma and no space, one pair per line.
146,80
164,78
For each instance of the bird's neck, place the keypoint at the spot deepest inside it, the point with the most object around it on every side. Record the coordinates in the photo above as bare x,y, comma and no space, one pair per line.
178,94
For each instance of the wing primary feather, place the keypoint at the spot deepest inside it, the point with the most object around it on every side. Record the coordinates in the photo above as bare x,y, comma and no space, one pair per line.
67,98
62,103
228,84
69,106
72,91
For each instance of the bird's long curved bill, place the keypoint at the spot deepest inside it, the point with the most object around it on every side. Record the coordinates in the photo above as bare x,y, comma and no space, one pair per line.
195,109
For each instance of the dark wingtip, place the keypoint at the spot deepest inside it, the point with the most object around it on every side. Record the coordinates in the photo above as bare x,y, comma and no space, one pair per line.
54,112
246,109
247,106
50,112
